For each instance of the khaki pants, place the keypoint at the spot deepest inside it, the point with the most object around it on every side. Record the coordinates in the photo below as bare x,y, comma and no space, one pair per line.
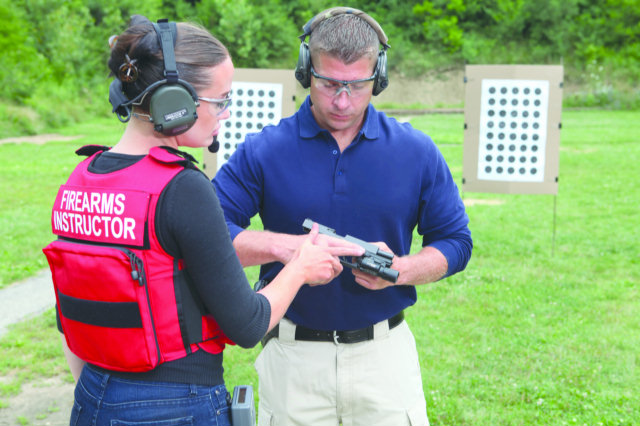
371,383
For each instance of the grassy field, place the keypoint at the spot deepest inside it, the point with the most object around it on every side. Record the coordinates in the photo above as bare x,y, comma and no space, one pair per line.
536,330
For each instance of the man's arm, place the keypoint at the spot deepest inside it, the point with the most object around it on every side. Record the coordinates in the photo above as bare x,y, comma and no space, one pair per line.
260,247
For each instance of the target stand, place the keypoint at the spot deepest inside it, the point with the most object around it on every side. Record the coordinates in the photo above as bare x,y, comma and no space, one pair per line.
512,130
260,97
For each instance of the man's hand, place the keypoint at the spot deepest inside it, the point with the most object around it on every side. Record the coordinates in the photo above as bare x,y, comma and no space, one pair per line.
373,282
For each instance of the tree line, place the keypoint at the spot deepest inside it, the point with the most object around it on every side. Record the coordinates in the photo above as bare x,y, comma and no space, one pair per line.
54,52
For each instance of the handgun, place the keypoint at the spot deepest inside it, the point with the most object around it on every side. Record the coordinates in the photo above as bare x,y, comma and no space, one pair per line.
374,261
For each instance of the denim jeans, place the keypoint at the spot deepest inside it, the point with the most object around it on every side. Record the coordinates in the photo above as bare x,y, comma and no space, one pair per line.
104,400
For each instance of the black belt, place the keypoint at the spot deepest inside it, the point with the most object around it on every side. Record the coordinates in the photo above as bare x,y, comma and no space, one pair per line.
346,336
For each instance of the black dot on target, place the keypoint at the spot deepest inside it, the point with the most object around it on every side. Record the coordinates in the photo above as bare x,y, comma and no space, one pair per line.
503,113
535,137
525,125
271,115
538,91
513,136
226,156
514,90
227,145
534,159
537,102
238,135
227,135
260,114
503,101
250,104
489,135
238,124
514,124
512,148
525,114
487,169
250,92
503,90
227,124
500,147
492,101
488,158
259,125
511,170
492,90
499,170
514,102
249,114
239,103
501,136
524,137
534,148
523,159
534,171
502,124
522,170
260,104
261,93
489,146
514,113
272,94
536,125
249,125
527,91
525,102
536,114
523,148
512,159
490,124
491,113
240,92
499,158
239,114
272,104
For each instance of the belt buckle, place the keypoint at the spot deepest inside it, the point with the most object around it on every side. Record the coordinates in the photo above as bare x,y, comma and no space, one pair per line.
335,337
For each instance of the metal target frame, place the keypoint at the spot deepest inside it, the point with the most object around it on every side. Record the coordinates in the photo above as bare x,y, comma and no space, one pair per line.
261,97
512,128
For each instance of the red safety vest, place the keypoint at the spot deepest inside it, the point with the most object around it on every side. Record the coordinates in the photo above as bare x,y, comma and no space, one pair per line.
123,302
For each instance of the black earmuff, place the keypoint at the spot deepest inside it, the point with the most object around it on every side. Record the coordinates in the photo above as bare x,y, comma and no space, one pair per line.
303,66
173,101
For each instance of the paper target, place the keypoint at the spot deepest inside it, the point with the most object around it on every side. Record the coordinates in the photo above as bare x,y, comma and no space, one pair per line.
260,97
254,106
512,128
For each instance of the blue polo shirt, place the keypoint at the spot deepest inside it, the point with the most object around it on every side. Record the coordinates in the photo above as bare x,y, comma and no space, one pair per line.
389,180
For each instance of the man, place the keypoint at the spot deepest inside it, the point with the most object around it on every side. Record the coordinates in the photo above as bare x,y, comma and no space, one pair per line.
343,354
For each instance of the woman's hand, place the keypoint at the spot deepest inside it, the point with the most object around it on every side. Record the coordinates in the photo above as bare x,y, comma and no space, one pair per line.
318,257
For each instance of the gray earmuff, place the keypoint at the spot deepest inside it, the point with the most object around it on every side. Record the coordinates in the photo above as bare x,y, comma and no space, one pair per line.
173,104
303,66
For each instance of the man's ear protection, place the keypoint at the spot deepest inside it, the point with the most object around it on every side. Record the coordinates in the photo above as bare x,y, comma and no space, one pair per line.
303,67
173,101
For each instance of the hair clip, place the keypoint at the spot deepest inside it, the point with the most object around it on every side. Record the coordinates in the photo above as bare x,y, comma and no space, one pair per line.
128,72
112,41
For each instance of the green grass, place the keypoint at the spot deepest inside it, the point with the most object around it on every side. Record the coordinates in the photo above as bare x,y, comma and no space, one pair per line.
534,331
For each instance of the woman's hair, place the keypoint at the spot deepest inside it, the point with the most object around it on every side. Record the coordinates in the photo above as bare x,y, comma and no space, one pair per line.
345,37
139,45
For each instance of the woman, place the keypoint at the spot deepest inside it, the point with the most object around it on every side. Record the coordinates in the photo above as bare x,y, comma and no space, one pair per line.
149,288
